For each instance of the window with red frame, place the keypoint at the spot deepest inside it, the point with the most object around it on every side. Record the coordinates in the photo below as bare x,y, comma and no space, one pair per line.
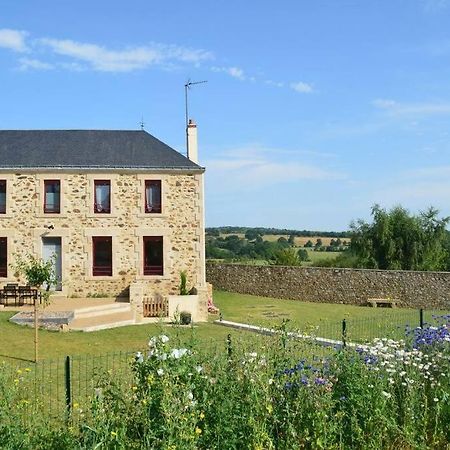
2,196
52,196
102,256
153,255
102,196
153,196
3,257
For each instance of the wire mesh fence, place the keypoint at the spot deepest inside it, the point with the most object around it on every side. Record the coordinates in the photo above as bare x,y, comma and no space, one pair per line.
62,389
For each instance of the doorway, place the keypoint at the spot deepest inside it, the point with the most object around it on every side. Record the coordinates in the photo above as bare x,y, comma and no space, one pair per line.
52,246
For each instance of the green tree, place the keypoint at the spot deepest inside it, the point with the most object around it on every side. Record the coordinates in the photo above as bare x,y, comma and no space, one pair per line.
291,239
309,244
251,234
303,255
318,244
285,257
398,240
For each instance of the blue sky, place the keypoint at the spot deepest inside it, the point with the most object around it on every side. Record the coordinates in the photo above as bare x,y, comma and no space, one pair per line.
313,110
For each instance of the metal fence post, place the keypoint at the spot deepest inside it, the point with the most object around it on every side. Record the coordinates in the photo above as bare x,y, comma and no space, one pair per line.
67,373
421,318
344,333
229,347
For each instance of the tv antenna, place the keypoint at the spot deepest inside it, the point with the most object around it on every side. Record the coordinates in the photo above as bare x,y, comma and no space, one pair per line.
141,123
187,86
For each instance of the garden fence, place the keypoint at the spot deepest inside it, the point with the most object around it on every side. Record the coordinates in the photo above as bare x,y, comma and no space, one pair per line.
62,389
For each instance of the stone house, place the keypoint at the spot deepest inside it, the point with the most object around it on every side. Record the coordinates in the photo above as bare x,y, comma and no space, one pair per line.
122,211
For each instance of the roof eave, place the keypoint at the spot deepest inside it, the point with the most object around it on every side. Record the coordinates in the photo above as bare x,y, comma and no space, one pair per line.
102,169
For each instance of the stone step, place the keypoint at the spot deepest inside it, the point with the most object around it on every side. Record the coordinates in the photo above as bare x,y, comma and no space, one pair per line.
100,310
103,322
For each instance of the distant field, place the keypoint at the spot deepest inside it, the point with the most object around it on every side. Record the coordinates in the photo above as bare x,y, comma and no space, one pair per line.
313,256
300,241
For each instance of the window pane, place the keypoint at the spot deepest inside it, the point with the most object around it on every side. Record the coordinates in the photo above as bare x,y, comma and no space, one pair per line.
153,196
3,257
52,196
102,196
153,255
2,196
102,256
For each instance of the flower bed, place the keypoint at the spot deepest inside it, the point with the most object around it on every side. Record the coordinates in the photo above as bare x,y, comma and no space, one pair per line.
386,394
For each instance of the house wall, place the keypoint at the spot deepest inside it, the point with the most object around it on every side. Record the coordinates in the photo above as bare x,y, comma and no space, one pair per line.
181,224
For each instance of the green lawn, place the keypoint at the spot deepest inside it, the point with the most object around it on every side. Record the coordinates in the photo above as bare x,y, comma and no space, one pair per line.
319,256
320,319
18,341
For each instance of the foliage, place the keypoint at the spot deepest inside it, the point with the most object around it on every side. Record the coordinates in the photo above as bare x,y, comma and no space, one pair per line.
216,231
183,281
303,255
398,240
383,395
286,257
37,271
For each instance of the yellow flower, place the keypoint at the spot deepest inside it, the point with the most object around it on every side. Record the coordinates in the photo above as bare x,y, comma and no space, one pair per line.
27,369
202,415
76,405
269,408
19,371
134,388
16,381
144,402
113,434
198,430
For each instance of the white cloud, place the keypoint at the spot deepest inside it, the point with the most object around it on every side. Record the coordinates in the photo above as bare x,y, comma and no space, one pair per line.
107,60
234,72
278,84
435,5
30,63
255,167
397,109
302,87
13,40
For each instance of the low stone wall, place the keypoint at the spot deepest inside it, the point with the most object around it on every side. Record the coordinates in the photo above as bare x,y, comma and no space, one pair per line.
430,290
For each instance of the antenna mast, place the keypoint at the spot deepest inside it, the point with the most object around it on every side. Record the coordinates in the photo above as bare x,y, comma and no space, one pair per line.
187,86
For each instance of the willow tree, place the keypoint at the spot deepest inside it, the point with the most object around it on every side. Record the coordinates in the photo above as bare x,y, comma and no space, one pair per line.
398,240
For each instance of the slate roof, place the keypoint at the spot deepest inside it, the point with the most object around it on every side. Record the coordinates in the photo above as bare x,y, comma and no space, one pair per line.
88,149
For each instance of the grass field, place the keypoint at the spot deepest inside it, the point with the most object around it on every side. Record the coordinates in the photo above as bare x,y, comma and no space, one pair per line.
322,319
314,257
300,241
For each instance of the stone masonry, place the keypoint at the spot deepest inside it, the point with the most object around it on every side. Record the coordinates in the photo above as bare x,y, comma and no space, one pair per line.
430,290
180,223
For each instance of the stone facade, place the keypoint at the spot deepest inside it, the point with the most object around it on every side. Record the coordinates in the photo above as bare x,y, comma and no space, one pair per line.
181,223
430,290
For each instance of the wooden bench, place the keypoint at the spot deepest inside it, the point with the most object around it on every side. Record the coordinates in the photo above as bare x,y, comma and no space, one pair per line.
382,302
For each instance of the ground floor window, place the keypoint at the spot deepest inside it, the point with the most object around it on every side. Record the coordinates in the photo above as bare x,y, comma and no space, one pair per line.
153,255
3,257
102,256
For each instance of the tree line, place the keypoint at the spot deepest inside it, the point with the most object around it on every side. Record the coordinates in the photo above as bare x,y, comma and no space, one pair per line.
217,231
395,239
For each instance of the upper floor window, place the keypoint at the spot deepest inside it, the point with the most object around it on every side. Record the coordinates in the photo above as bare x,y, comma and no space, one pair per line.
152,196
2,196
3,257
102,256
153,255
102,196
52,196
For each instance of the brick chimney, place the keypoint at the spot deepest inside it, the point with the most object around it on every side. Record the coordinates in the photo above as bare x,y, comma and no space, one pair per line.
192,147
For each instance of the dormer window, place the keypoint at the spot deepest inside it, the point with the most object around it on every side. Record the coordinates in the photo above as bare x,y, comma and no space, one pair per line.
152,196
102,196
2,196
52,196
